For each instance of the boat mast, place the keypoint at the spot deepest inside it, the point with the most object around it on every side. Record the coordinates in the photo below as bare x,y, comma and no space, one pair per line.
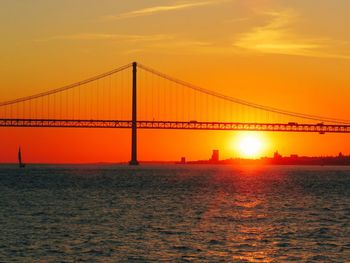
19,156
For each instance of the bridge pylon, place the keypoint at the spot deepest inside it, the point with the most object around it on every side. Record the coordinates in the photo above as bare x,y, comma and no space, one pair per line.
134,160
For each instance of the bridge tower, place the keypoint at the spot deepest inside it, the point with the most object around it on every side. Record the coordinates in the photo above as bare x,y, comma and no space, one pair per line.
134,117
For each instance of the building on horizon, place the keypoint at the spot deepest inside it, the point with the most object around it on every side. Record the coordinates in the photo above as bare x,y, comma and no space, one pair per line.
277,155
215,156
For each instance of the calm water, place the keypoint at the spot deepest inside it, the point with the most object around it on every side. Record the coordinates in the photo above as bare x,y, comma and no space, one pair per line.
174,213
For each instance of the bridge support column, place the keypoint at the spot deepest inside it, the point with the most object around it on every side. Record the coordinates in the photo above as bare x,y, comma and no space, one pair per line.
134,117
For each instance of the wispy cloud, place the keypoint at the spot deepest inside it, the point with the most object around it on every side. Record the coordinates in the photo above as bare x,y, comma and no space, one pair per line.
161,9
278,37
175,46
237,20
110,37
138,43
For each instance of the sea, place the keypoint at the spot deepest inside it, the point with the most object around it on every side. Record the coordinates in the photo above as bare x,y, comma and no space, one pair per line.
174,213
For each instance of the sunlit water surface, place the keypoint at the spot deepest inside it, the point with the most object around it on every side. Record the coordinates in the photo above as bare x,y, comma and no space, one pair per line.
174,213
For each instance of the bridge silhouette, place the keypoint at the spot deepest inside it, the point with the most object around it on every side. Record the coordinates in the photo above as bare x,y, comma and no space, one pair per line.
138,97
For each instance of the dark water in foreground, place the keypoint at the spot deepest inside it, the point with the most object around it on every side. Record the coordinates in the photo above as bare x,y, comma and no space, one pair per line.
174,213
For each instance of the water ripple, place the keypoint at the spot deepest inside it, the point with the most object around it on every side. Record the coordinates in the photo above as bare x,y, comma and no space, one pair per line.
174,214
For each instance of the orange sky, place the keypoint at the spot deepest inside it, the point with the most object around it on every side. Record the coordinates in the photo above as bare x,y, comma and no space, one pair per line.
293,55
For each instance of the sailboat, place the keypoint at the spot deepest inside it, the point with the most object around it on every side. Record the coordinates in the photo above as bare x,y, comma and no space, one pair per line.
21,165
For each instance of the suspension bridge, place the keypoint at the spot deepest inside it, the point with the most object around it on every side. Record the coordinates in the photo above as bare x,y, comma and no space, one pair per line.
138,97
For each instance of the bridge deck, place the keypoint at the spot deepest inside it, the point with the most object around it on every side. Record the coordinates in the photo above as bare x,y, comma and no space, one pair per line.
180,125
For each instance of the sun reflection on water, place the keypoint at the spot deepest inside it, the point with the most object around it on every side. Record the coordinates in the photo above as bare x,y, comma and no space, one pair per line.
238,213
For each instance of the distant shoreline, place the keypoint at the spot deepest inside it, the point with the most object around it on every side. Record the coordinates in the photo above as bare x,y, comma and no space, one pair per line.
340,160
262,162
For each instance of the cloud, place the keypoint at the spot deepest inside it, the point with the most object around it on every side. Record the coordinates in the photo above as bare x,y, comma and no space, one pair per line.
139,43
278,37
175,46
237,20
101,36
161,9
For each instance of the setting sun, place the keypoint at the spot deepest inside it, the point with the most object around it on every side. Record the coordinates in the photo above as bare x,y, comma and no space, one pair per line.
249,145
